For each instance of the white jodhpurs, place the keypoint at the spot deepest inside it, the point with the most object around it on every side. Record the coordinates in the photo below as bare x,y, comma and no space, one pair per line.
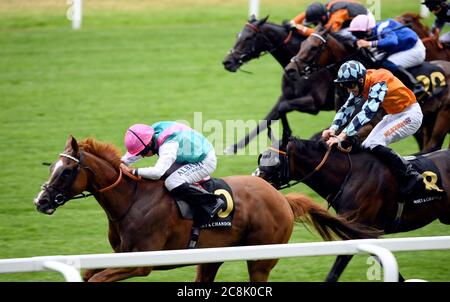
411,57
394,127
192,172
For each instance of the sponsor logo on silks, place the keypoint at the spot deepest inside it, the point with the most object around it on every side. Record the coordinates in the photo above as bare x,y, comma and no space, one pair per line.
403,123
430,179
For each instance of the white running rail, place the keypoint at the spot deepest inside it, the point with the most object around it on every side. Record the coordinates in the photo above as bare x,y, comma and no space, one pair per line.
69,266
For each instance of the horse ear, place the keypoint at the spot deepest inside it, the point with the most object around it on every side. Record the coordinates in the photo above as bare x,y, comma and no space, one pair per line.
262,21
252,18
71,144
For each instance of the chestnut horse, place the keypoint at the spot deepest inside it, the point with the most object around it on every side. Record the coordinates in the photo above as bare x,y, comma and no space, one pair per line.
357,185
435,49
142,215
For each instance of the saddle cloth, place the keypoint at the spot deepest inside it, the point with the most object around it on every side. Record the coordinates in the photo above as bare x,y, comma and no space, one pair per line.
200,215
432,189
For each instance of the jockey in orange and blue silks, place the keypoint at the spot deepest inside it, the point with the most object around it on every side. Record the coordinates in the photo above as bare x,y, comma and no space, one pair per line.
378,88
335,14
173,143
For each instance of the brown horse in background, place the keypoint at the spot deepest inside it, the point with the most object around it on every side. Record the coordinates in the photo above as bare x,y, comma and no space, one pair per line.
435,49
324,49
143,216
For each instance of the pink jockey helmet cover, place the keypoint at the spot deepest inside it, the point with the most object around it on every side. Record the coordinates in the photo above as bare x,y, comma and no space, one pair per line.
362,23
137,137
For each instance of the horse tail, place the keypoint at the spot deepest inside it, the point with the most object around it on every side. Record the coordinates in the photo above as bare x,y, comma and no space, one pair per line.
327,225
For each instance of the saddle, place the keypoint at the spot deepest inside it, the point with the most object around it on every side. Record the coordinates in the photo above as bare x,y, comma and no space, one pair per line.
201,214
201,217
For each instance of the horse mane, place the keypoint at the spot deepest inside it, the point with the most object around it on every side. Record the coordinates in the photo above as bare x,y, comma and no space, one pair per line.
414,18
299,144
106,151
320,145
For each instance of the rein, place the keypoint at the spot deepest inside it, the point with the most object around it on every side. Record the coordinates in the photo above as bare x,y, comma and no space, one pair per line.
105,189
78,161
269,43
318,167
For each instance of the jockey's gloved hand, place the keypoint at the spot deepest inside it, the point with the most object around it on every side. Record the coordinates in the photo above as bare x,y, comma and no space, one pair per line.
289,25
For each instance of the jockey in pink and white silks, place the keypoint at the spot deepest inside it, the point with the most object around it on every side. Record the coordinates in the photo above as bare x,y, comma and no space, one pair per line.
174,143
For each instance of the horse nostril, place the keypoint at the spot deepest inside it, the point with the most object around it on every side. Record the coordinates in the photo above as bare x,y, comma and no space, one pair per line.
41,201
291,73
228,65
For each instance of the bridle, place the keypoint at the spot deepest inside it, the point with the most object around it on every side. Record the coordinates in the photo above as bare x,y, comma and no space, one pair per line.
285,179
311,64
62,197
254,53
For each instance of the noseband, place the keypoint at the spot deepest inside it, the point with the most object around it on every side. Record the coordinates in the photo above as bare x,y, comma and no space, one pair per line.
61,197
252,54
285,175
311,65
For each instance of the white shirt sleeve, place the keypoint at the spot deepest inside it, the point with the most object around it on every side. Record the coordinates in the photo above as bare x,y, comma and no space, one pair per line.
167,156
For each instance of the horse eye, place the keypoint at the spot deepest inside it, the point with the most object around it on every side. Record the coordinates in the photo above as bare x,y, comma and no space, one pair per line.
66,172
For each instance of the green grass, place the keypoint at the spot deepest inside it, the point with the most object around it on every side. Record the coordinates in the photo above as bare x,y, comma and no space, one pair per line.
141,65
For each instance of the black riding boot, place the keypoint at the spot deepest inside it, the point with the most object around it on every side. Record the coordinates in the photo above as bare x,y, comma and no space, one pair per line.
199,197
411,82
401,168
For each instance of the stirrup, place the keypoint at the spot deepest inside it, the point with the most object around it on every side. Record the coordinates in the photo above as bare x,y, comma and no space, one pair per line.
220,203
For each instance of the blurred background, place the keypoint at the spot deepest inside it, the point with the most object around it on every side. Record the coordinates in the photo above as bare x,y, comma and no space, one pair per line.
140,62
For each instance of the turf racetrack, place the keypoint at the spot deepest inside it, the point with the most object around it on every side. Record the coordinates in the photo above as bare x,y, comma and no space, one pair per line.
142,61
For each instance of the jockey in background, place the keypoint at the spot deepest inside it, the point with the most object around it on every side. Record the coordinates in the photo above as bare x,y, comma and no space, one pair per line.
336,14
402,45
378,88
174,143
440,9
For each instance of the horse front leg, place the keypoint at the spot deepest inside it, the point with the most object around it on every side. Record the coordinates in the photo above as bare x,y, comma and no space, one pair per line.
271,116
306,104
88,273
339,265
116,274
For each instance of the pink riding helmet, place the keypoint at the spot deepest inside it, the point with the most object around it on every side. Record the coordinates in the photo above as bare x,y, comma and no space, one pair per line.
362,23
136,138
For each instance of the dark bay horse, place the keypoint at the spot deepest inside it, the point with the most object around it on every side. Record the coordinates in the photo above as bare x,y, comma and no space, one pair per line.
435,50
310,95
357,185
324,50
143,216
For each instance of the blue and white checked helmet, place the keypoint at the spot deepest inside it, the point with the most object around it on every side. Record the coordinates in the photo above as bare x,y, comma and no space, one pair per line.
351,71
